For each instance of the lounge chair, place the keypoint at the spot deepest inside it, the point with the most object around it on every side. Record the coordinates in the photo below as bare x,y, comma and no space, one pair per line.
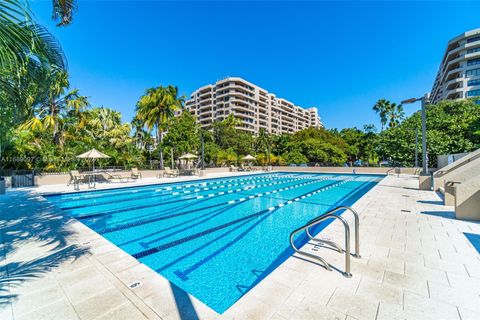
117,176
75,177
233,168
135,174
170,172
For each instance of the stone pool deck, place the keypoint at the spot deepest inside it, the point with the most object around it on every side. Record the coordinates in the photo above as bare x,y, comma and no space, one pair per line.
417,263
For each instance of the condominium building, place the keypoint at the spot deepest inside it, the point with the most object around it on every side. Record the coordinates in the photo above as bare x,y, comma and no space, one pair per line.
459,73
254,106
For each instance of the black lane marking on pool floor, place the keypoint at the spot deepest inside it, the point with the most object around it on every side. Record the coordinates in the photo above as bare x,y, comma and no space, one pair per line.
146,221
156,193
155,204
92,194
171,244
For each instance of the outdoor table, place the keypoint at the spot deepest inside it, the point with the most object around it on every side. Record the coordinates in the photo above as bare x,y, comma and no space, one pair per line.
188,172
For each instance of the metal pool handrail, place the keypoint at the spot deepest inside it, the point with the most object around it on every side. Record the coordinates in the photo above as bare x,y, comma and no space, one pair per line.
331,215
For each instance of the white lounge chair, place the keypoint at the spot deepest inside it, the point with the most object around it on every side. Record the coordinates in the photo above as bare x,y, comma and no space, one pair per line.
167,172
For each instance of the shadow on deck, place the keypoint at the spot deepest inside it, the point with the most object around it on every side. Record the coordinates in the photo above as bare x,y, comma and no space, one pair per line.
35,239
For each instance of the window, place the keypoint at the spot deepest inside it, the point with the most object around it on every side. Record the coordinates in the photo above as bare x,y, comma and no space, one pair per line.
473,83
474,39
473,93
473,73
473,50
473,62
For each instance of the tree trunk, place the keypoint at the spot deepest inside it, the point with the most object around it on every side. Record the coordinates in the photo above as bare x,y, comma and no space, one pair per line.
159,139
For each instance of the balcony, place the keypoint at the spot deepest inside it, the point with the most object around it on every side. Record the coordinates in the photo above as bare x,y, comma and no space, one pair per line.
454,83
455,73
455,94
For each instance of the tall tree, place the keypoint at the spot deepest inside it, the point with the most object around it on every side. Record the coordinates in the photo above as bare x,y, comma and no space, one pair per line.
26,44
451,129
156,109
395,114
382,107
262,141
59,103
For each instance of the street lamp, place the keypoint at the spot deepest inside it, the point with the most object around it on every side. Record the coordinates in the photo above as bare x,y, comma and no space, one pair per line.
425,100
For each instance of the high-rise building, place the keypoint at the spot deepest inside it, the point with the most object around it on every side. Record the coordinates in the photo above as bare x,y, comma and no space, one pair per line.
459,73
254,106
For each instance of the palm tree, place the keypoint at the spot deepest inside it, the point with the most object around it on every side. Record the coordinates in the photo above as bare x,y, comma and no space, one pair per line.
58,105
106,124
262,141
382,107
156,109
140,133
395,114
63,11
27,47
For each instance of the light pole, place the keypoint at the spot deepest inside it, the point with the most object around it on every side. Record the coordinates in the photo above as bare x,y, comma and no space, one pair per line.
416,147
425,100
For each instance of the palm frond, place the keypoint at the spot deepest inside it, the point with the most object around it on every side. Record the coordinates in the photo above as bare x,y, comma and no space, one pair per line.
63,11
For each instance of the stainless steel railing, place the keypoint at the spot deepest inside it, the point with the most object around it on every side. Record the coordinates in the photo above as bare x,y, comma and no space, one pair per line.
331,215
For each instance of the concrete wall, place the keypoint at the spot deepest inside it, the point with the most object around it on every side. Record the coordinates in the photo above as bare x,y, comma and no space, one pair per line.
50,179
373,170
440,175
459,175
442,160
467,199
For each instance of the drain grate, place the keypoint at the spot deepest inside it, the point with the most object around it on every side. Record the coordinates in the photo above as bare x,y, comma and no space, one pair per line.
406,211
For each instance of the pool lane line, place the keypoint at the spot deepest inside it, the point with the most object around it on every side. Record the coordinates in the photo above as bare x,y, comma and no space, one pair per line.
174,243
178,226
136,207
210,215
183,275
149,188
231,202
174,193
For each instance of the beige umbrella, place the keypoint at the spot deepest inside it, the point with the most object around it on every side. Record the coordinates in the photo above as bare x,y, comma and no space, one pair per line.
93,154
248,157
186,157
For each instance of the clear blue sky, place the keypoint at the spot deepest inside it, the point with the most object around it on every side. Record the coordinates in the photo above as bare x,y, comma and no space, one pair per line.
338,56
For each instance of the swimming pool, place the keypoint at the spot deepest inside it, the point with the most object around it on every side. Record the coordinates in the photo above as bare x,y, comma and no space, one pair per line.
214,238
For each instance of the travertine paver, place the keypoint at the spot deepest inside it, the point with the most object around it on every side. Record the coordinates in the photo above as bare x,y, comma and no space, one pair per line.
416,264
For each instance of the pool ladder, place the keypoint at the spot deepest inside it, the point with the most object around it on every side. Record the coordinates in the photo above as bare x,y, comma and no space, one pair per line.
332,214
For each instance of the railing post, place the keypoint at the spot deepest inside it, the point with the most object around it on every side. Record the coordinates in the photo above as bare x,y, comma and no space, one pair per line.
347,272
357,235
331,215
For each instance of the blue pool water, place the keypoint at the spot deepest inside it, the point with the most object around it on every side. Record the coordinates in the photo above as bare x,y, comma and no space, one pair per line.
214,238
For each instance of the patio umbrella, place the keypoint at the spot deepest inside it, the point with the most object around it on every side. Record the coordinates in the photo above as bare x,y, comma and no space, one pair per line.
93,154
188,156
248,157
